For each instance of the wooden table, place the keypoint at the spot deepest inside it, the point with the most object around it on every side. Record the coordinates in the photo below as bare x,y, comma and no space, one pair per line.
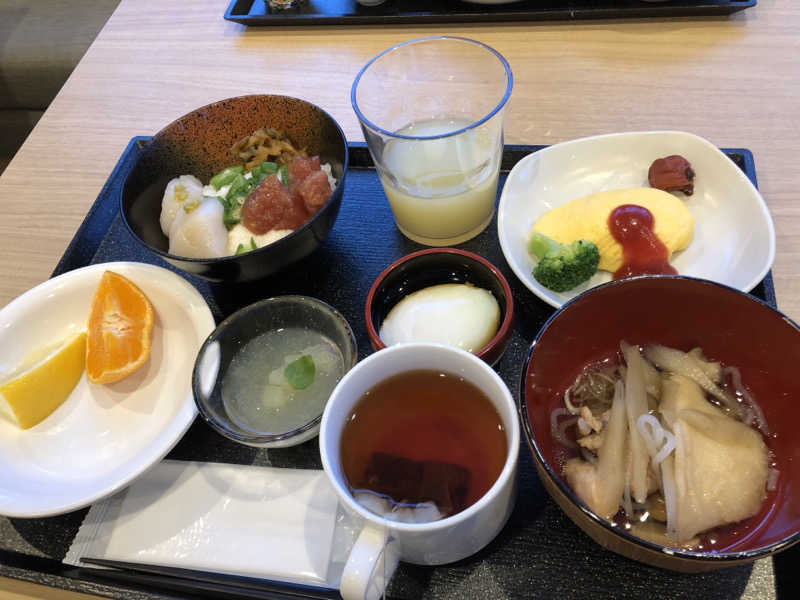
733,80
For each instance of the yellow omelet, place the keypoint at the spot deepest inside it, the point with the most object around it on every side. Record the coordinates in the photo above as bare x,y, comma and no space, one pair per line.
587,219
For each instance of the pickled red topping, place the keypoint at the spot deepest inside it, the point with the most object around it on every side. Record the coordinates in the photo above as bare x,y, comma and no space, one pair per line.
642,251
309,184
301,167
272,205
315,191
672,174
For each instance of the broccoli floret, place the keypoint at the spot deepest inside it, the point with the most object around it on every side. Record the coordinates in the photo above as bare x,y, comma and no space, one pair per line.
562,266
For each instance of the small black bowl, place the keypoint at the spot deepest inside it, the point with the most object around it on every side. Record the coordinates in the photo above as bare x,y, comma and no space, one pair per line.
227,340
198,144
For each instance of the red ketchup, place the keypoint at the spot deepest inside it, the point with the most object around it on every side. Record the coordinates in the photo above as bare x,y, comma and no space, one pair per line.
642,251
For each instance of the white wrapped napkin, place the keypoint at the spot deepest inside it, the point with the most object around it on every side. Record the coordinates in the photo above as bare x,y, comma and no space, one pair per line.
253,521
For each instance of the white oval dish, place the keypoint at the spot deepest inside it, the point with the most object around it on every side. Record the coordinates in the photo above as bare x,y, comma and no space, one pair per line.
734,238
102,436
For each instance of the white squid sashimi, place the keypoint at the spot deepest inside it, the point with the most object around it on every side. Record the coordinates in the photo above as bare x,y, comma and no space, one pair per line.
199,233
186,190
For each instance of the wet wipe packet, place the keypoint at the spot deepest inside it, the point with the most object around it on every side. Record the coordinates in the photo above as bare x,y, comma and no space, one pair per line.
278,524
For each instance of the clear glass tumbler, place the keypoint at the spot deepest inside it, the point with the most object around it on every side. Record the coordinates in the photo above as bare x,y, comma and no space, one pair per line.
432,114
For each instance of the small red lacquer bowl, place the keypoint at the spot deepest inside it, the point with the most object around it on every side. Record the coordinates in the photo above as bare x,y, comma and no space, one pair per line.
435,266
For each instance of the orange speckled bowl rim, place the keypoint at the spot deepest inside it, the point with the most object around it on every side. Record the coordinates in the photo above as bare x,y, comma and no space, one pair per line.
172,137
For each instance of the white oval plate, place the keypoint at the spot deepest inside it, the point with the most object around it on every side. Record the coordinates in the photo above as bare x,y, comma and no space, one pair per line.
102,436
734,238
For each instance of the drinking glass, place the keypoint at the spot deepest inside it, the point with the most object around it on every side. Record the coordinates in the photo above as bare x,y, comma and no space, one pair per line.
432,113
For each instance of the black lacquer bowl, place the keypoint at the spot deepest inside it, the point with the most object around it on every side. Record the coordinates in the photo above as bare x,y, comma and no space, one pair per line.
198,144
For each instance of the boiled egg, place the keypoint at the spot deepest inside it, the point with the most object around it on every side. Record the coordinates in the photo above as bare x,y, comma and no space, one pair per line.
458,314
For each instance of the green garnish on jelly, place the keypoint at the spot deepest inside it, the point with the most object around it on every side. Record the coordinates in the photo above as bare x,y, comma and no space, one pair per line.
283,175
300,373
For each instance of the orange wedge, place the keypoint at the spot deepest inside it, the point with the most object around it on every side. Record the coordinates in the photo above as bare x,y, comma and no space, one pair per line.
119,329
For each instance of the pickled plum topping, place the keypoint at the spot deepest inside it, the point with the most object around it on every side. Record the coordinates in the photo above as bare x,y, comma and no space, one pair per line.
672,174
272,205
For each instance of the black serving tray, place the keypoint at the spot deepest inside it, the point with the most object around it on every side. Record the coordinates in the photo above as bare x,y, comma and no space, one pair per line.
349,12
540,553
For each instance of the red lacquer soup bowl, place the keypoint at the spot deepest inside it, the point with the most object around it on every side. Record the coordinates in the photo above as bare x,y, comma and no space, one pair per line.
732,327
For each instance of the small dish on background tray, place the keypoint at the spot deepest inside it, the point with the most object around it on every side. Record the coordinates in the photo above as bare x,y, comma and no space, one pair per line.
734,238
352,12
102,436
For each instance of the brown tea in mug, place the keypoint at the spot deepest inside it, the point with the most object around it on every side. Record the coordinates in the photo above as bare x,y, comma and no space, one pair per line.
422,445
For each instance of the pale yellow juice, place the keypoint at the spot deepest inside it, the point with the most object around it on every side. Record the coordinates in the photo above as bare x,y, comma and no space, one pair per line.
442,191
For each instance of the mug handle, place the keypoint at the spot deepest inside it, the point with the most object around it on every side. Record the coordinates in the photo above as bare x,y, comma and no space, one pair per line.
370,566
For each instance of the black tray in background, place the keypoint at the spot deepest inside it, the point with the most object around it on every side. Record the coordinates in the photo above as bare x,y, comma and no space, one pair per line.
540,553
349,12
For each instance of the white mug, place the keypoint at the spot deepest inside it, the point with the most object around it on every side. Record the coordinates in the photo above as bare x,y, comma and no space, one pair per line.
382,542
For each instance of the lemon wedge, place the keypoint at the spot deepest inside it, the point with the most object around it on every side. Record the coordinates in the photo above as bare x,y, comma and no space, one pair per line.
40,388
